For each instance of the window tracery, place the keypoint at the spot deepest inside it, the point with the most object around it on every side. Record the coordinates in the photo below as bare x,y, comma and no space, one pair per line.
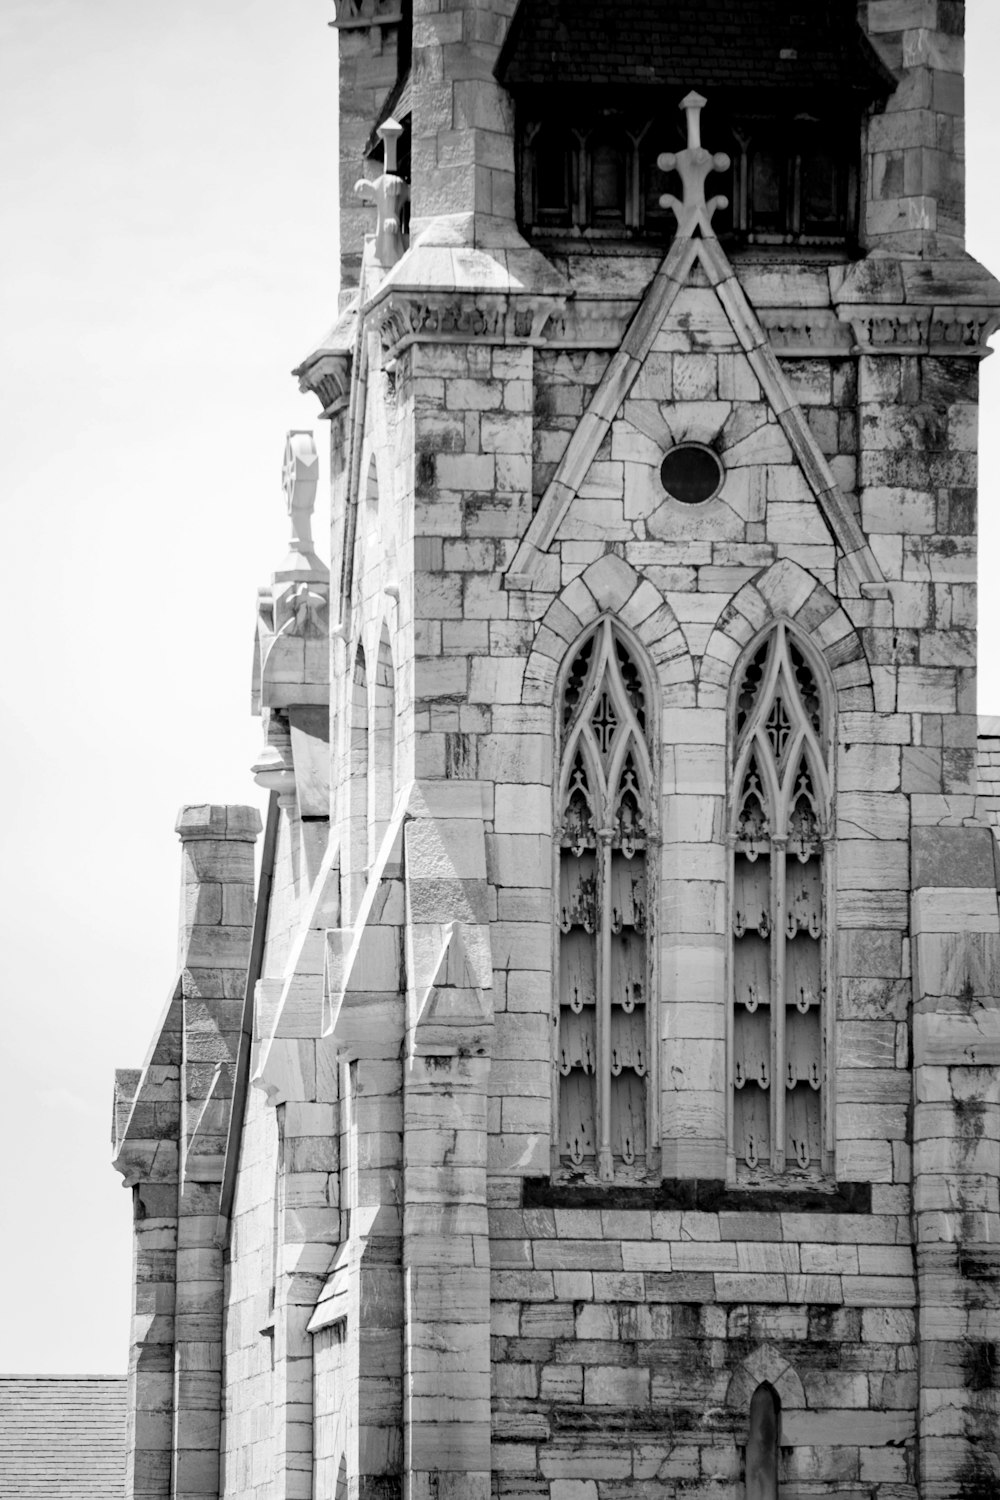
792,180
781,830
603,832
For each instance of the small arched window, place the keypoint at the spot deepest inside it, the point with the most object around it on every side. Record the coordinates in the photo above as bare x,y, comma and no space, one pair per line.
382,778
763,1438
604,827
781,829
358,776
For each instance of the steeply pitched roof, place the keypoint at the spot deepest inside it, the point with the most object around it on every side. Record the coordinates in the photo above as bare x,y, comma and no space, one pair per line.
692,44
62,1435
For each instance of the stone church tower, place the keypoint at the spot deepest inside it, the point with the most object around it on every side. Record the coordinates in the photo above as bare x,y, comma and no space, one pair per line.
600,1097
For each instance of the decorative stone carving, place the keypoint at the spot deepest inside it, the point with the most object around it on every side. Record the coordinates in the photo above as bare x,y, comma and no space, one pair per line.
291,666
427,317
923,330
291,658
327,370
693,165
812,332
390,195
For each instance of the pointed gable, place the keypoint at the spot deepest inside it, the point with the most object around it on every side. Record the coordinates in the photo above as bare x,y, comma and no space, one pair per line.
695,367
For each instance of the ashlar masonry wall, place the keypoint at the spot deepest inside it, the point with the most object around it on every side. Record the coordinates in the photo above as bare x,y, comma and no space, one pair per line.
423,1295
630,1331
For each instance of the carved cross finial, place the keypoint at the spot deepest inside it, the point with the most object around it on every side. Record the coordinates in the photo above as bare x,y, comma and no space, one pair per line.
693,165
390,195
299,474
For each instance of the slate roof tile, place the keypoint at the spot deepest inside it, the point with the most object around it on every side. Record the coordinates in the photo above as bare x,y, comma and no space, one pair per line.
62,1436
690,44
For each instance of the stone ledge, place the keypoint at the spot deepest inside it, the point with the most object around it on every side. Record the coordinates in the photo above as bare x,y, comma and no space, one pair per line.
706,1194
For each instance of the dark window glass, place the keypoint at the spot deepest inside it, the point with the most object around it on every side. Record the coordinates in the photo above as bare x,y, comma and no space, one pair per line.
821,188
767,173
608,180
791,178
553,164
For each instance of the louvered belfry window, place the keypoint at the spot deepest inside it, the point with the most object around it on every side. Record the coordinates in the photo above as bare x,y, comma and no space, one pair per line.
781,817
604,831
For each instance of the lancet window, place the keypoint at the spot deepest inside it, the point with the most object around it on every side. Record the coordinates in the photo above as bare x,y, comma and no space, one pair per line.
780,917
604,828
762,1444
382,773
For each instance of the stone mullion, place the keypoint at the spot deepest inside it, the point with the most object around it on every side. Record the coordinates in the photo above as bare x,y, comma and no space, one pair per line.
605,1159
778,902
828,1114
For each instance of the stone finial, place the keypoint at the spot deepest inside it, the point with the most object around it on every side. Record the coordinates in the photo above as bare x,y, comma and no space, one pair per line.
290,660
693,165
390,195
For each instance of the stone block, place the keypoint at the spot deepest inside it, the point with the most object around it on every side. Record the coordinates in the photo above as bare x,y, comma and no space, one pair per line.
957,857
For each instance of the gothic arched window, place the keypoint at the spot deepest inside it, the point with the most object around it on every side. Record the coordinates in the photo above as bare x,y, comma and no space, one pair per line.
781,831
604,826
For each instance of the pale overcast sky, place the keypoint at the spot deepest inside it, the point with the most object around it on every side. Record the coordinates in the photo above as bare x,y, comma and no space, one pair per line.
168,255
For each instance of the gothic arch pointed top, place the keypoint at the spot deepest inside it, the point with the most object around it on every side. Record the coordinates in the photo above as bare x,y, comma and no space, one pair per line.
611,586
606,731
765,1364
787,591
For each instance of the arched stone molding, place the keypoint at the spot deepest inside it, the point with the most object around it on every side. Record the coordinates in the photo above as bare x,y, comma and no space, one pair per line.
764,1363
611,586
787,590
369,522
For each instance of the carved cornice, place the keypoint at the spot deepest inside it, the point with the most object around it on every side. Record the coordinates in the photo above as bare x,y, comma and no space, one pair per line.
407,317
590,323
907,329
805,332
326,372
327,375
908,306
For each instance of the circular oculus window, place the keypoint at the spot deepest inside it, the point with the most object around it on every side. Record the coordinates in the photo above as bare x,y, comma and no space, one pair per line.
691,473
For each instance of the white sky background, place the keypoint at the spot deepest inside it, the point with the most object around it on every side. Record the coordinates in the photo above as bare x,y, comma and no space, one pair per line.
167,256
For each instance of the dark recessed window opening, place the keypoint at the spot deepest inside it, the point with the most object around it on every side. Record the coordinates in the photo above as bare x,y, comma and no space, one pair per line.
793,178
691,473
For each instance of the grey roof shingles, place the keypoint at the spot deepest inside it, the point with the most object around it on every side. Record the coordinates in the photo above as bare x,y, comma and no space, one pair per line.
62,1437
